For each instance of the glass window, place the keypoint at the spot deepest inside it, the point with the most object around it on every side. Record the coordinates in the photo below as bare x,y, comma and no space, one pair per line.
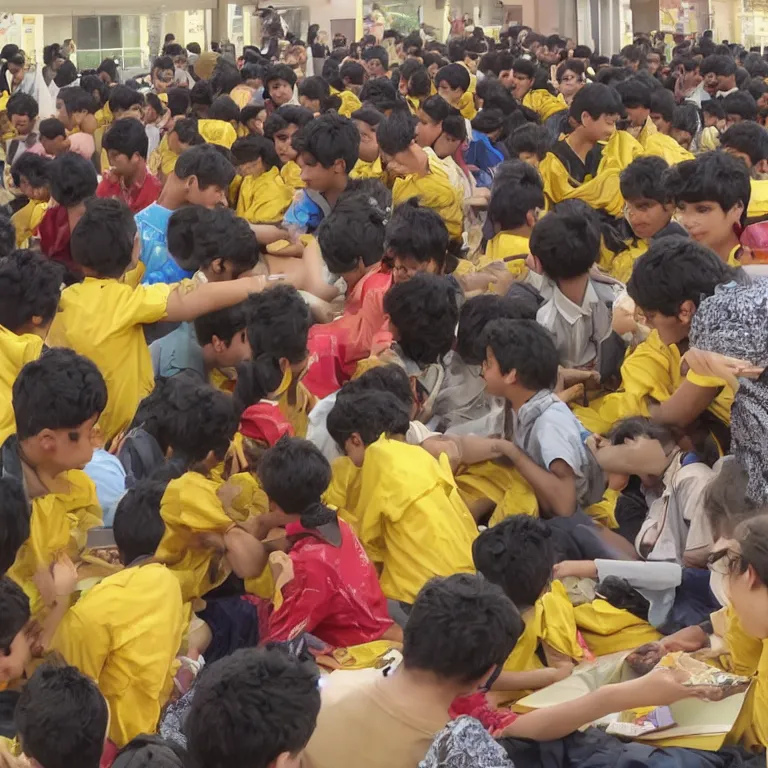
87,34
132,58
131,31
111,36
88,59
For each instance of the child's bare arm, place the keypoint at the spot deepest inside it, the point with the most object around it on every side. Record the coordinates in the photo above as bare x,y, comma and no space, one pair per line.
687,403
246,555
531,680
269,233
185,305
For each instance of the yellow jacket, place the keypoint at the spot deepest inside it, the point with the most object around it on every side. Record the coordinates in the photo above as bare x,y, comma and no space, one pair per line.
363,170
27,220
607,629
661,145
349,102
291,175
543,103
217,132
758,199
163,160
466,105
15,352
125,633
505,247
264,199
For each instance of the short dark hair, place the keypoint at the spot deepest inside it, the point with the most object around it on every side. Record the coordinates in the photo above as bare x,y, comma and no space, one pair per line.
279,72
518,555
525,67
424,311
455,75
178,101
187,131
353,70
194,48
638,426
91,83
127,137
248,149
224,108
369,414
749,138
198,236
418,232
390,378
147,750
209,165
329,138
22,104
380,93
353,232
75,99
526,347
634,93
33,167
713,176
30,286
572,222
279,324
288,114
460,628
723,66
14,515
478,311
59,390
109,67
250,707
61,718
663,103
14,611
201,94
531,138
740,103
153,101
122,98
368,115
713,107
673,270
396,133
377,52
522,191
596,100
7,235
686,118
294,474
317,89
224,324
73,179
102,240
644,178
138,526
51,128
163,62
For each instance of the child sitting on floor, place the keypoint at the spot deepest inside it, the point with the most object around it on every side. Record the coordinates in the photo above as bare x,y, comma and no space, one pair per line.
369,165
280,127
30,175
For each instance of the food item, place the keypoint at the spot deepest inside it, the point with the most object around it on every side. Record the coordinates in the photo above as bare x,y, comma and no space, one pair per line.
701,674
107,554
642,660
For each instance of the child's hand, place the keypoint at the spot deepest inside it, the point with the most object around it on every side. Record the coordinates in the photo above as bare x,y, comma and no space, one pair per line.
596,442
64,576
581,569
663,687
227,493
256,283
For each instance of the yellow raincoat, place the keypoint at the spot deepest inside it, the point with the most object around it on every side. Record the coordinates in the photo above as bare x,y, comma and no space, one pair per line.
607,629
27,220
163,160
264,199
349,102
543,103
466,105
506,247
364,170
291,175
217,132
15,352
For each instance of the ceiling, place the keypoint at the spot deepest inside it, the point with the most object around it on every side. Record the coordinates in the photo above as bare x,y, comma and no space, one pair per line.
91,8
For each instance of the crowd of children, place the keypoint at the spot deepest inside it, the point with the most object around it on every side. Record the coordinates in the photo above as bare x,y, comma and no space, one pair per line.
341,410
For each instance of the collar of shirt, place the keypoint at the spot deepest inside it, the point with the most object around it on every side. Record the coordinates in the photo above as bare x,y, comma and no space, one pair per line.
723,94
137,184
574,312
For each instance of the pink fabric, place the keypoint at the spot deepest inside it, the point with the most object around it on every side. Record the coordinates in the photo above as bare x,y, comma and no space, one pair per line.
83,144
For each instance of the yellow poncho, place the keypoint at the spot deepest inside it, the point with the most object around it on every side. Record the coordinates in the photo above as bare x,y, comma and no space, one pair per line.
434,190
661,145
349,102
506,246
27,220
466,105
758,199
217,132
15,352
619,265
291,175
543,103
607,629
363,170
264,199
163,159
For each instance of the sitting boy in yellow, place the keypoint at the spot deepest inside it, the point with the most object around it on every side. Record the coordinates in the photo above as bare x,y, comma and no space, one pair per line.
453,85
103,318
279,128
539,100
368,165
29,175
409,515
264,197
125,632
56,402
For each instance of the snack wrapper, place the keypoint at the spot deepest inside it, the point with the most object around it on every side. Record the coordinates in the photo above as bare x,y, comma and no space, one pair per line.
699,673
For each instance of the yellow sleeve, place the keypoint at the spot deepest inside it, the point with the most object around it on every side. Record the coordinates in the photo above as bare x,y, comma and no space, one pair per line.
466,105
543,103
349,103
196,505
660,145
558,623
371,523
264,200
82,638
148,304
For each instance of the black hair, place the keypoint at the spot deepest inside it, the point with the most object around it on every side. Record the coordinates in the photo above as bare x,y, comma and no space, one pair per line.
521,192
59,390
757,87
437,108
713,176
279,72
525,67
329,138
209,165
638,426
225,77
138,526
572,222
455,126
163,62
673,270
153,101
73,179
740,103
571,65
251,112
686,118
30,286
663,103
33,167
174,50
15,515
294,474
251,707
122,98
531,138
460,628
390,378
253,71
723,66
644,178
455,75
178,101
582,52
201,94
420,84
108,66
596,100
377,52
147,751
198,236
14,611
380,93
396,133
418,232
91,83
102,241
518,555
317,89
354,231
66,75
75,99
51,53
187,131
61,718
368,115
369,414
478,311
248,149
224,108
525,347
51,128
748,138
423,309
22,104
634,93
354,71
7,235
288,114
127,137
224,324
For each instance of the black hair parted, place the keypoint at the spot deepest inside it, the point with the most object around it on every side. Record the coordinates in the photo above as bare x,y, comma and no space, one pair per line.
288,114
747,138
396,133
75,99
138,526
73,179
517,190
279,72
518,555
567,240
207,164
102,241
51,129
294,474
531,139
30,286
525,347
455,75
674,270
248,149
369,414
643,178
127,137
59,390
478,311
33,167
14,611
460,628
15,514
596,100
224,324
224,108
251,707
279,324
740,103
424,312
122,98
22,104
329,138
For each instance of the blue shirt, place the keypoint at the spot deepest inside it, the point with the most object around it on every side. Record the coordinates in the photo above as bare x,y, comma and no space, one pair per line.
159,266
